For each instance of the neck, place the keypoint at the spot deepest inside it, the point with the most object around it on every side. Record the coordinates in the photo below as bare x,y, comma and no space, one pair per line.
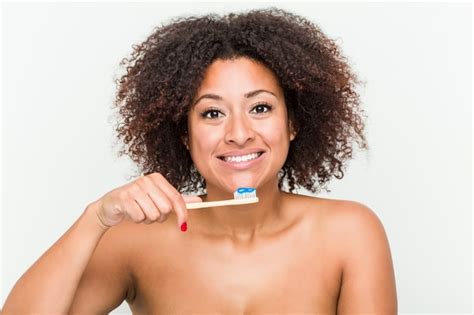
244,222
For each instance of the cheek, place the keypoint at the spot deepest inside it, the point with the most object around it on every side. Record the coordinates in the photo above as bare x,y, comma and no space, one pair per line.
275,134
204,140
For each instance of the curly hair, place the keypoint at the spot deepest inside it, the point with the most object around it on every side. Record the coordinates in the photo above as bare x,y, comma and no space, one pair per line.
164,72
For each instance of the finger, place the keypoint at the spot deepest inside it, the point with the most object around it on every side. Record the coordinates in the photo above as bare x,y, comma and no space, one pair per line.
173,195
146,204
163,217
133,210
157,197
127,205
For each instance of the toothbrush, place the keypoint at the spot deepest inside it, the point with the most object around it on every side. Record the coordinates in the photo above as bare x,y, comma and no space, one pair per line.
242,195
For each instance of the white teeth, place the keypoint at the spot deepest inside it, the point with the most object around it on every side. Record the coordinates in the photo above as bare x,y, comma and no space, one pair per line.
241,158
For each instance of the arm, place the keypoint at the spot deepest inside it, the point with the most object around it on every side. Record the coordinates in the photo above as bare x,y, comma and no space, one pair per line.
75,276
368,281
50,284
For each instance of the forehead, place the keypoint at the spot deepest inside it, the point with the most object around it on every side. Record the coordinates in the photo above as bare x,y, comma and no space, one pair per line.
240,74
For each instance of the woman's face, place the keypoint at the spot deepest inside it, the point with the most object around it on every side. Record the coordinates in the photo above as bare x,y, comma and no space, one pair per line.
238,126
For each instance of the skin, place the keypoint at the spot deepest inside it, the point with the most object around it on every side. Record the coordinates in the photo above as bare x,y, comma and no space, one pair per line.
240,123
286,254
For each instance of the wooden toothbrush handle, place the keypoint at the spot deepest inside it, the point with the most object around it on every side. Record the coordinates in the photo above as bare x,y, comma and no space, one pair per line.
229,202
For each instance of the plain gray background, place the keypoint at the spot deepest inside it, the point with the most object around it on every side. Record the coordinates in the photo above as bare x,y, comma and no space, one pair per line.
59,62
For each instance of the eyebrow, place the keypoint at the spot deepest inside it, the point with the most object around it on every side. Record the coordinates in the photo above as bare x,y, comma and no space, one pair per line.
219,98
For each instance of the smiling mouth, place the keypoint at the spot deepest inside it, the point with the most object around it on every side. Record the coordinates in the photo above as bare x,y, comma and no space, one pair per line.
241,158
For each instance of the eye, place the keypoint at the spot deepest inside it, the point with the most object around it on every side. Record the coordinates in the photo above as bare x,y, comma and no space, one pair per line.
262,108
211,114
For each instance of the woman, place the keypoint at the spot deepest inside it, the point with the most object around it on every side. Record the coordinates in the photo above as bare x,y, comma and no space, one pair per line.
209,104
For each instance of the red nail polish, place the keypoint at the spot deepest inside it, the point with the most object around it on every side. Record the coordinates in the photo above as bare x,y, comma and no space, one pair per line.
184,227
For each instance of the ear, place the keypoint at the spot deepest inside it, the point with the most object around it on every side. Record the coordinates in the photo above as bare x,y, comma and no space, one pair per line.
293,131
185,140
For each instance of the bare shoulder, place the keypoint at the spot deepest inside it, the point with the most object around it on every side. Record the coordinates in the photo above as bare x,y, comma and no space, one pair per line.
340,222
338,214
352,217
353,226
109,277
362,246
358,230
130,239
107,280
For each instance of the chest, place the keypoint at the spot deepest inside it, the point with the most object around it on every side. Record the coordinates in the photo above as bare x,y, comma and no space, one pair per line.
276,277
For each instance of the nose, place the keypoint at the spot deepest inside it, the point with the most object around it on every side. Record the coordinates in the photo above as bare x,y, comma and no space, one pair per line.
239,131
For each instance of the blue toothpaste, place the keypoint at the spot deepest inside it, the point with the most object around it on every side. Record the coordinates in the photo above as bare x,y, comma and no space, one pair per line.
245,192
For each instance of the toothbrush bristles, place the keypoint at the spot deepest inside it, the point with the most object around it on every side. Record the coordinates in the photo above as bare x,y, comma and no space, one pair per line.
244,193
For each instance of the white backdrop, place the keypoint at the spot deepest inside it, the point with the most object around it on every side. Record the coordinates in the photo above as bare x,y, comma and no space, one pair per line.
58,66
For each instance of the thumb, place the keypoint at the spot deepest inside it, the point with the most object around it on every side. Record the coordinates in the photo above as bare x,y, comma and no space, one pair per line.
189,199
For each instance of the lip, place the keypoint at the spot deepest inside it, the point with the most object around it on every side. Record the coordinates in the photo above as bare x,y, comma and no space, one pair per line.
241,165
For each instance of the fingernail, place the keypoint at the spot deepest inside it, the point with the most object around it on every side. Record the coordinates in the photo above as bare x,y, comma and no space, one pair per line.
184,227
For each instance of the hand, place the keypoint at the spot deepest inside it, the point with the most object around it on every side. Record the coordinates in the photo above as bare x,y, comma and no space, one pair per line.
147,199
